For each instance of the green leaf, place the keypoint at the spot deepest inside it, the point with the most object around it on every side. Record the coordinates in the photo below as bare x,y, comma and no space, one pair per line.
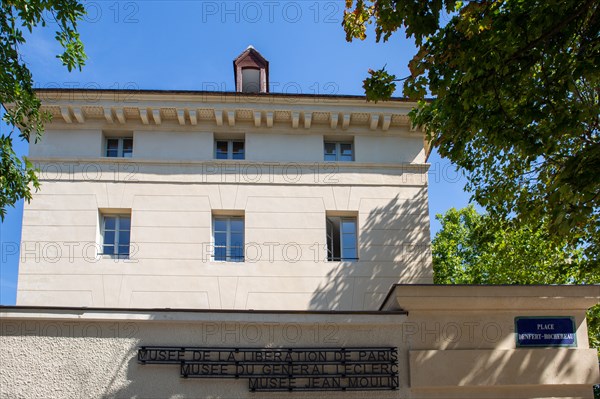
16,85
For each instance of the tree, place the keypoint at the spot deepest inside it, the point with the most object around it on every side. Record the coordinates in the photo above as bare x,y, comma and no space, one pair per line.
472,248
477,249
516,94
17,175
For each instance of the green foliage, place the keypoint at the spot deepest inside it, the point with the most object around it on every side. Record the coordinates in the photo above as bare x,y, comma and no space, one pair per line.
380,86
15,175
479,249
516,100
16,83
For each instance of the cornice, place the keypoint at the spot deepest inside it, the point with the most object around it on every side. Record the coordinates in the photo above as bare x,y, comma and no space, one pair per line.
118,108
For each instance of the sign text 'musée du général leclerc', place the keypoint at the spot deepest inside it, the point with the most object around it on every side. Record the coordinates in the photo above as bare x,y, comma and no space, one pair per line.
285,369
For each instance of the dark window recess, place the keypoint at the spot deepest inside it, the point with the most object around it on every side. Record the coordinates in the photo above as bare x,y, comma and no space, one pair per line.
228,239
119,147
341,152
229,149
116,231
341,239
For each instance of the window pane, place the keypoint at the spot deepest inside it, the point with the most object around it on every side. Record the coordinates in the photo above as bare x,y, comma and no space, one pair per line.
346,152
329,240
237,254
220,225
221,149
108,250
238,150
237,225
127,148
116,235
112,147
330,154
220,239
109,237
229,239
349,226
237,239
222,146
220,253
124,223
333,241
124,237
109,223
348,241
349,253
346,148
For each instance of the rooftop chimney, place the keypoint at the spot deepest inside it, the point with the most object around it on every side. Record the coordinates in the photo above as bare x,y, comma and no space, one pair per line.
251,72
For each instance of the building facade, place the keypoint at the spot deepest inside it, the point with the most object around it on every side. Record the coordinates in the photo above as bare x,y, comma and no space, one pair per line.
224,201
232,245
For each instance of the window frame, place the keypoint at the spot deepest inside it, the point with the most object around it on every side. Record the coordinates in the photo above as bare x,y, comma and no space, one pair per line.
116,243
338,150
230,153
120,147
330,245
229,255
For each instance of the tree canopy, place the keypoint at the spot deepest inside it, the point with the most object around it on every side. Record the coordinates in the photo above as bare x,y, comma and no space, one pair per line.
515,88
471,248
17,175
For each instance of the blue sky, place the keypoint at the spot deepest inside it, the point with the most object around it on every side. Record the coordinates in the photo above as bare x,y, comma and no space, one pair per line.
190,45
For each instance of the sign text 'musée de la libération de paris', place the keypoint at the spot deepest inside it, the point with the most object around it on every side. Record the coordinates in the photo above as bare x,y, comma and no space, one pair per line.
285,369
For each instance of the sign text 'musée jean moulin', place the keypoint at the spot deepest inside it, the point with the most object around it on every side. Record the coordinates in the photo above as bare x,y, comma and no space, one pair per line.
285,369
545,331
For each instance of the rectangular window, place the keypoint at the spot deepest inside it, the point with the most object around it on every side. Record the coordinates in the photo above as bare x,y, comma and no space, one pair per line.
121,147
229,149
336,151
341,239
228,237
116,230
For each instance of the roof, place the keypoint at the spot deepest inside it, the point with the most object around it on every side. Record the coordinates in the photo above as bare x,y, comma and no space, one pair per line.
218,93
251,51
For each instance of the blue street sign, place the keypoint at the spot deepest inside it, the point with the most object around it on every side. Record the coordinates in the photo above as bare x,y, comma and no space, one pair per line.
545,331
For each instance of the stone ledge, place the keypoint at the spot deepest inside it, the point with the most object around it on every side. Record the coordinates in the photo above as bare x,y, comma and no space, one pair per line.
414,297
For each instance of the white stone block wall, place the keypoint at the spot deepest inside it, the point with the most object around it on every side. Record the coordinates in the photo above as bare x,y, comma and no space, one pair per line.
172,187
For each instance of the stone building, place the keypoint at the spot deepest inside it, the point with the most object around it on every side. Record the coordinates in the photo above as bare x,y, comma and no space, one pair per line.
239,200
225,244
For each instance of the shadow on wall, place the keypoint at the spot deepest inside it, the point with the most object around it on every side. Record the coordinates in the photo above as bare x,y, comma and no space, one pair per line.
394,246
524,371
